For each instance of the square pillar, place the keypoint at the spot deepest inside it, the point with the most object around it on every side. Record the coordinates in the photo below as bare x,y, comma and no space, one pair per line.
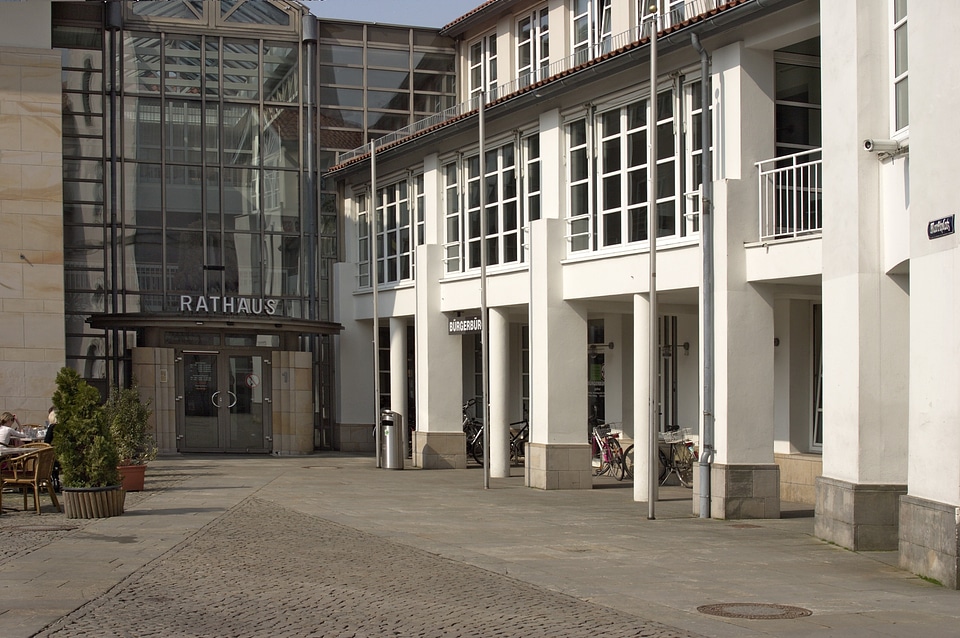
558,456
439,442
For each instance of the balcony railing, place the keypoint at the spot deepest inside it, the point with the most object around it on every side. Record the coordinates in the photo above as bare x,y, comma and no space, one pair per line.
676,15
791,195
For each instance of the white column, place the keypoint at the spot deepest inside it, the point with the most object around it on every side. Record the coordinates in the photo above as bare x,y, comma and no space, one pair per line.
398,371
641,397
499,335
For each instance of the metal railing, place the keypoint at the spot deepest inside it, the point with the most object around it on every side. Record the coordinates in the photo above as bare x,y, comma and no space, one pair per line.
670,18
791,195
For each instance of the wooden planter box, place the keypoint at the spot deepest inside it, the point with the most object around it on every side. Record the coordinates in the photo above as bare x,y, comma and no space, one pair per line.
131,477
93,502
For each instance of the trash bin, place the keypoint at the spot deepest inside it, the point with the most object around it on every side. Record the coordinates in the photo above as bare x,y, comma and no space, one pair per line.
391,440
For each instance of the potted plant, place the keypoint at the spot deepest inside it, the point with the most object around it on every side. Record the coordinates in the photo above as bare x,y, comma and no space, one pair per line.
86,450
128,418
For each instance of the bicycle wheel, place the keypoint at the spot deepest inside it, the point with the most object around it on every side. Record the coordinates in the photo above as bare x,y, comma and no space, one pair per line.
664,464
516,451
684,460
618,468
477,448
628,462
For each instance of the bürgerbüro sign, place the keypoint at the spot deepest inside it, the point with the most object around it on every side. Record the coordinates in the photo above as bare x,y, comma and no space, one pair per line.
464,325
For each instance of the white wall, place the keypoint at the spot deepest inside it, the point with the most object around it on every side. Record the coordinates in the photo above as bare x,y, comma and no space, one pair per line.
935,263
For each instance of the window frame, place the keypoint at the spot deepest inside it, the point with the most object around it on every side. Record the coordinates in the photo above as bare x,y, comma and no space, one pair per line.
537,40
615,221
597,16
899,78
482,60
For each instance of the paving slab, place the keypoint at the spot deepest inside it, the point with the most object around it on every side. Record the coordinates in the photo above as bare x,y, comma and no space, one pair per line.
329,545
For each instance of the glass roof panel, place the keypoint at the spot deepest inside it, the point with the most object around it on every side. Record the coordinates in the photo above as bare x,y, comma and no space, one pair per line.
253,12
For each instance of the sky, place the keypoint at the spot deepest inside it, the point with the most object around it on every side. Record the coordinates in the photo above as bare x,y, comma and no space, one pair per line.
418,13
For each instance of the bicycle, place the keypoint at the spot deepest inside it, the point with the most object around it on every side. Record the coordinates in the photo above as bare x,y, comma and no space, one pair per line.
473,429
612,460
518,437
518,440
679,457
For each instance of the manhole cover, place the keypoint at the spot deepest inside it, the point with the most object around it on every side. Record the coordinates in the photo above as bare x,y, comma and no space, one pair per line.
46,528
755,611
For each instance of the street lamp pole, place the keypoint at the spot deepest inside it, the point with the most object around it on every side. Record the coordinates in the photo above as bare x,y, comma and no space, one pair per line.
654,353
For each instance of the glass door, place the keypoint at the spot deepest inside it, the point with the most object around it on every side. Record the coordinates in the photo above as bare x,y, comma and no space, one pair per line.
225,402
246,404
200,424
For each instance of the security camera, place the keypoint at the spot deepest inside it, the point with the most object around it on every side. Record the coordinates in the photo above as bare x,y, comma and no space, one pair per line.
881,146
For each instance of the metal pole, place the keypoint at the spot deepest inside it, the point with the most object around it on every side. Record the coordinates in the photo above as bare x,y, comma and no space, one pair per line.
654,414
484,329
372,224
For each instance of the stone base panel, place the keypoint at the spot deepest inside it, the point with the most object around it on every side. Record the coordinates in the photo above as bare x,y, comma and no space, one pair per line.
798,477
559,466
440,450
860,517
357,438
929,545
745,491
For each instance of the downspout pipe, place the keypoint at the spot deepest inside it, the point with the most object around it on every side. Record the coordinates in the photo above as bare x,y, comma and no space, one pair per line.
707,448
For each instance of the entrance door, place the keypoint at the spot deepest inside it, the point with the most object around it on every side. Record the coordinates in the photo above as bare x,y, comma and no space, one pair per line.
225,403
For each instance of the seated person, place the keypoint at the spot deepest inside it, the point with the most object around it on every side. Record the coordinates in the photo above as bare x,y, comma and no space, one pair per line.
8,434
51,421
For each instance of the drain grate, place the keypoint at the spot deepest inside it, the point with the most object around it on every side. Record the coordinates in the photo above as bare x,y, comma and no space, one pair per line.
755,611
44,528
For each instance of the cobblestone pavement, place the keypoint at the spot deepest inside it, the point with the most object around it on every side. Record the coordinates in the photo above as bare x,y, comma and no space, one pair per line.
22,531
317,578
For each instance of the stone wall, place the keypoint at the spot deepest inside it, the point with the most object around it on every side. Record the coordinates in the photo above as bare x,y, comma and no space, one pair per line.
32,343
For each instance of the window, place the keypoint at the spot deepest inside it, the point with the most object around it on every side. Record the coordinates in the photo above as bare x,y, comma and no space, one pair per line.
693,158
483,65
817,426
622,168
531,176
506,206
533,47
901,103
608,186
393,233
451,202
579,204
591,29
798,100
400,228
502,233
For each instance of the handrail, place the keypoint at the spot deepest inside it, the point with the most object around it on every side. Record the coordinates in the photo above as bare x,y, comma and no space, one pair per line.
790,191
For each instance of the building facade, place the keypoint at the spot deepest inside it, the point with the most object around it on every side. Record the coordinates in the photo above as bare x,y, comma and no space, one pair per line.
831,256
165,219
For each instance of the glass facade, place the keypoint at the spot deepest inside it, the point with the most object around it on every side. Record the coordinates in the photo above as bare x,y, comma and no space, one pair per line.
185,176
194,134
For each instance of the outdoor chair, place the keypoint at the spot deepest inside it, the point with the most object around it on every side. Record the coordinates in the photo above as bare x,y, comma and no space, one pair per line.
31,470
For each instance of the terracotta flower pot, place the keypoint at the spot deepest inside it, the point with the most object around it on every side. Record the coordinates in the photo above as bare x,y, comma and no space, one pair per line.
93,502
132,477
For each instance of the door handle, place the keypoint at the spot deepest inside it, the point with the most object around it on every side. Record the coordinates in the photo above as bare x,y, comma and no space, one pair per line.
214,400
234,397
